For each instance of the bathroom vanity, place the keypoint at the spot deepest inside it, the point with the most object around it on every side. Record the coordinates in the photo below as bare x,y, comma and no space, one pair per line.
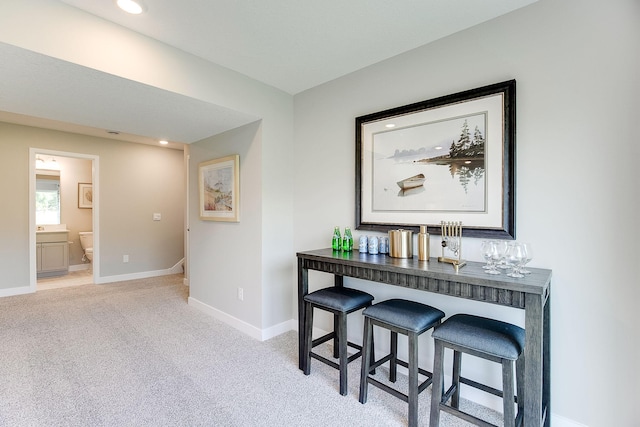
52,253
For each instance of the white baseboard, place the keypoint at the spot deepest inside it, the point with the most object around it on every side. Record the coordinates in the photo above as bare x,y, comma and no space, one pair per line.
176,269
80,267
9,292
241,325
279,329
236,323
559,421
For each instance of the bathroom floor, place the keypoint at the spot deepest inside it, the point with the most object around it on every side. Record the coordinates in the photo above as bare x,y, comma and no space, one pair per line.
74,278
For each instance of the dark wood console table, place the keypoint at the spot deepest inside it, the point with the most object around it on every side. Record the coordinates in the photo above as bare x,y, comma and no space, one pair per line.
530,294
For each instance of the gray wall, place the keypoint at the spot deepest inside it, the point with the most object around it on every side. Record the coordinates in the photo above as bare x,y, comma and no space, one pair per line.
233,249
170,69
577,65
135,181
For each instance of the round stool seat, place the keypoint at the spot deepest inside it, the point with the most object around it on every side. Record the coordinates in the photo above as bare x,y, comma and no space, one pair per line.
339,299
489,336
409,315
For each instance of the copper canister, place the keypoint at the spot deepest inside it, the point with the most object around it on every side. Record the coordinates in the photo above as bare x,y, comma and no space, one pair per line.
401,243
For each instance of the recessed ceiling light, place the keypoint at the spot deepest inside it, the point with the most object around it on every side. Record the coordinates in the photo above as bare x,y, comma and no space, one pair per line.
390,125
131,6
163,142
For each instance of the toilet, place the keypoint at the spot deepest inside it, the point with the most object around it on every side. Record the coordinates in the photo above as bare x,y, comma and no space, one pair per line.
86,241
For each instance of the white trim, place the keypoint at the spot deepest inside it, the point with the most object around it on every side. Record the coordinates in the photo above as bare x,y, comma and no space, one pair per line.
236,323
95,178
178,267
560,421
80,267
140,275
9,292
241,325
279,329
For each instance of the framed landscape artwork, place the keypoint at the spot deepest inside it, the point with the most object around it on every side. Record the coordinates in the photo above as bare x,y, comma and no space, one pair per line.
446,159
219,189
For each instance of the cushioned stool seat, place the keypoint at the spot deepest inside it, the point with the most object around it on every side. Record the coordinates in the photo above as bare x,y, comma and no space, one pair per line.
340,301
489,339
409,318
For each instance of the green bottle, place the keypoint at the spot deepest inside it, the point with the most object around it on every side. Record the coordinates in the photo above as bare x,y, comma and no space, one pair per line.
347,240
335,243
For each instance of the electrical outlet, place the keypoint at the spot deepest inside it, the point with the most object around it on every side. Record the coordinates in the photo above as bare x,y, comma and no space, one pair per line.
241,294
125,258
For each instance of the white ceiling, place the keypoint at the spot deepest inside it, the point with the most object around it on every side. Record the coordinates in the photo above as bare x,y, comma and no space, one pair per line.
44,87
289,44
298,44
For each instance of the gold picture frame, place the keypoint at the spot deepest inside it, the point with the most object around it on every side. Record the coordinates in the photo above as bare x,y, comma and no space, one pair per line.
219,189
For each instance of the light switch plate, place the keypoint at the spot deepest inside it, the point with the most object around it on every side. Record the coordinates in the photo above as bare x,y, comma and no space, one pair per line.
157,217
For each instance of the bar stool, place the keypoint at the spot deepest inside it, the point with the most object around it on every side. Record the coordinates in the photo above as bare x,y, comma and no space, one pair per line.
340,301
486,338
408,318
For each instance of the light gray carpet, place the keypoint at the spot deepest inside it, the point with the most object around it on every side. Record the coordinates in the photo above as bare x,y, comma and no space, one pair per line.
135,354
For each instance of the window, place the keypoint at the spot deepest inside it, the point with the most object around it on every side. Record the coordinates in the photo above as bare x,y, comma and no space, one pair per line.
47,199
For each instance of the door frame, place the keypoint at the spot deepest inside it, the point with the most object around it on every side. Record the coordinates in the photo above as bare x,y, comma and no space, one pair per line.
95,211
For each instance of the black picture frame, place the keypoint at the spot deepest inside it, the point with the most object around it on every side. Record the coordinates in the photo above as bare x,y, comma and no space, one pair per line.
494,106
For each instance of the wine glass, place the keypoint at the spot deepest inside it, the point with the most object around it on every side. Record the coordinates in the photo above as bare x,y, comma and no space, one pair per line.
485,250
528,251
489,251
515,256
501,249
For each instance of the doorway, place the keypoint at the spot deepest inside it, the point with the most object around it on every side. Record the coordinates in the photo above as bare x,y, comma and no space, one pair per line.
67,195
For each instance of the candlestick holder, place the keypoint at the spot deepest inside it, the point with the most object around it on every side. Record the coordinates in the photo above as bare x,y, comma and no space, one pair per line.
452,243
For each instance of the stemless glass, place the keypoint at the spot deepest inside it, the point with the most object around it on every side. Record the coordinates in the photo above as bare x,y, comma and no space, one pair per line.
528,252
489,252
515,257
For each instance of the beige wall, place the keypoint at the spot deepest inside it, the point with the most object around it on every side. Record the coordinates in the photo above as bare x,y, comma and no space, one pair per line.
577,65
135,181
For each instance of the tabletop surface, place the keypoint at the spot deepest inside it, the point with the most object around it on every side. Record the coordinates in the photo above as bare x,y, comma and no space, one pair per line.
537,282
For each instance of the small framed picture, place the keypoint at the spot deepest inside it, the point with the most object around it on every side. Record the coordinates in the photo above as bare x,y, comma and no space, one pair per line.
85,195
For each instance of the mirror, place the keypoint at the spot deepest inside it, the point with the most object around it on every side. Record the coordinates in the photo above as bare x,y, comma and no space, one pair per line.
47,197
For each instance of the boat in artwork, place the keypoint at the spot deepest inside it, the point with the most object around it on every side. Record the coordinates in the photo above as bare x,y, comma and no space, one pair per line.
412,182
